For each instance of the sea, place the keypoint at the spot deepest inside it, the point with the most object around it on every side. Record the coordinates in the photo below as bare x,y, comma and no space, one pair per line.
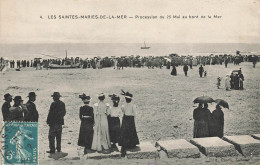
90,50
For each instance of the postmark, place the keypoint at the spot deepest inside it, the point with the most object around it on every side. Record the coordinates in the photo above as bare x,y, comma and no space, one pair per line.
20,143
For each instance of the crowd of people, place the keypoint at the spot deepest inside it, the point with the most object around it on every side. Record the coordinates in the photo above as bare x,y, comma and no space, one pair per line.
234,81
207,124
138,61
102,126
20,111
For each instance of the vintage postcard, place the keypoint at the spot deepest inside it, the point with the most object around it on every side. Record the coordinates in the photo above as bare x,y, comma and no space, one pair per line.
130,82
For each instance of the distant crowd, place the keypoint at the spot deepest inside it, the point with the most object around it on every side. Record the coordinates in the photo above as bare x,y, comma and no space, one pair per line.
138,61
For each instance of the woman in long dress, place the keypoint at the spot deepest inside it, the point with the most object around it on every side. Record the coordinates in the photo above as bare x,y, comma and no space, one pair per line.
101,140
201,118
128,134
86,116
114,120
227,82
217,123
174,71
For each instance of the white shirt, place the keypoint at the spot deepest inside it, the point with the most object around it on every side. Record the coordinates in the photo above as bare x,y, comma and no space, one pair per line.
115,112
129,109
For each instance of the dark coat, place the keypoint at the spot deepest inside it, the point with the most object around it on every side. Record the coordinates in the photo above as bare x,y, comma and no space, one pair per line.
185,68
201,118
5,111
174,71
217,123
32,114
56,113
16,113
86,126
201,69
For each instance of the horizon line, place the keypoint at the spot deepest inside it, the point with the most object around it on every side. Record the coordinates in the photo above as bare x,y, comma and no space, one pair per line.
134,43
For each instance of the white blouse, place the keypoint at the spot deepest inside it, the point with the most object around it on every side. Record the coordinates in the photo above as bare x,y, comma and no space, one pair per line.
129,109
115,112
101,108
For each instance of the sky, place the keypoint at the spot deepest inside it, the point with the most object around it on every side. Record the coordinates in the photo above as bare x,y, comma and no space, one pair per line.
20,21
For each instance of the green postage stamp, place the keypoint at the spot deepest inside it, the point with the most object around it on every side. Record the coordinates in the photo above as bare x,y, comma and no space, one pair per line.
20,143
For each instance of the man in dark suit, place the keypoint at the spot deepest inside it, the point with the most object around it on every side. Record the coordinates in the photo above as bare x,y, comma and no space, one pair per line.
18,110
5,107
32,114
185,69
55,120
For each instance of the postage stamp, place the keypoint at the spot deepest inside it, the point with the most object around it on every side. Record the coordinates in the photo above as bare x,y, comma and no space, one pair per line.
20,143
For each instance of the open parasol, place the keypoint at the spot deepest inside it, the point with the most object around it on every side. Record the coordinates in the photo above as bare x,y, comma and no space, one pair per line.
221,102
203,99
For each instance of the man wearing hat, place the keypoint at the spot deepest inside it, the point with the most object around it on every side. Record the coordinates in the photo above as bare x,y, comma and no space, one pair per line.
5,107
32,114
18,110
55,120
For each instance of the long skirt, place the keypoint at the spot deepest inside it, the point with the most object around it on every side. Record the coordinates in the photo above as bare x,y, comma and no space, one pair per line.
201,129
114,129
128,135
174,72
101,138
216,128
86,133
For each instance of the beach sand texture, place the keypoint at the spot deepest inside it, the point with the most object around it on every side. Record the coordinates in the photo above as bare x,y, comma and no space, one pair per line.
164,102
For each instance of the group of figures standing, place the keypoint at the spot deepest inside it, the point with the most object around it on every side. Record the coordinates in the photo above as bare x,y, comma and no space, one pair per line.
186,68
207,124
233,81
19,111
101,127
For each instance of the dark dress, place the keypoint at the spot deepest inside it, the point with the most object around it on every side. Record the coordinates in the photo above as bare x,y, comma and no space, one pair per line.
236,82
174,71
201,123
217,123
185,69
114,124
114,128
241,79
86,126
201,70
128,135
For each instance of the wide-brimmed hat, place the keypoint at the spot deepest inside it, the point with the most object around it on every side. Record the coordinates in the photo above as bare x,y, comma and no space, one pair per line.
101,94
114,97
6,96
84,97
31,94
56,94
127,94
18,98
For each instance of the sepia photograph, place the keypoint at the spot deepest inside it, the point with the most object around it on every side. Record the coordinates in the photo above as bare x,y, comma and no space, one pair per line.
129,82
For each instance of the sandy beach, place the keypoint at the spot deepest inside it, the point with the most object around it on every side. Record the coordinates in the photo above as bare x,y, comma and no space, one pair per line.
164,102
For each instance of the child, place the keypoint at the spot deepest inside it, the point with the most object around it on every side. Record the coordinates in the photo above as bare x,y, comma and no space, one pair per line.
218,82
205,73
86,116
114,120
